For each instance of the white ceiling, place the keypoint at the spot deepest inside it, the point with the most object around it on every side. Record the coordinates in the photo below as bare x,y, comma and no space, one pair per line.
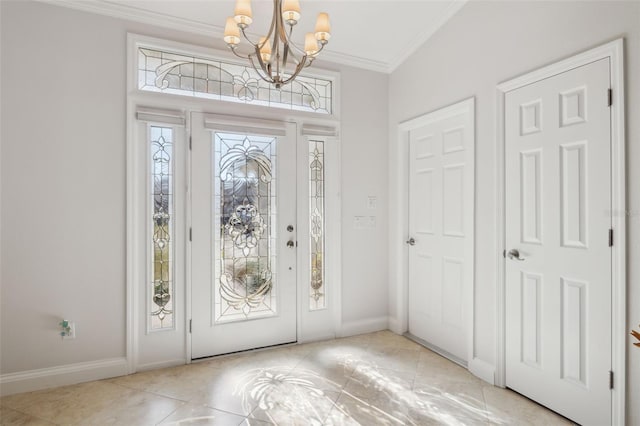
372,34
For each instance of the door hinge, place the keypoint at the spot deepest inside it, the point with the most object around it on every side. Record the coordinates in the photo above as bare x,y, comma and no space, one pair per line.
190,235
610,379
610,97
610,237
190,142
190,325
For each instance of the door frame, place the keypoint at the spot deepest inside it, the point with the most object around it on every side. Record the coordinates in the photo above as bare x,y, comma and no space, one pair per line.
399,255
177,109
614,52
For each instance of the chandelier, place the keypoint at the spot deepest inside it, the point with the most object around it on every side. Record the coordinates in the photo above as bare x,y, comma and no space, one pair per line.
275,57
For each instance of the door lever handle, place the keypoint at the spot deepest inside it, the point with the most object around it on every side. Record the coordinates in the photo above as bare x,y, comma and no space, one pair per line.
514,254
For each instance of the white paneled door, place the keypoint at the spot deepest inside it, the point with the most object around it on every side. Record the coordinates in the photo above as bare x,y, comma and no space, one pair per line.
243,259
441,229
558,267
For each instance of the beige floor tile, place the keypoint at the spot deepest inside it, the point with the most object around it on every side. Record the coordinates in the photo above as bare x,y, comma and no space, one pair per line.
359,340
292,404
345,357
390,358
452,403
387,339
505,407
324,378
84,401
438,370
10,417
183,382
372,379
274,393
194,414
379,410
276,357
255,422
228,390
371,382
138,408
140,381
19,401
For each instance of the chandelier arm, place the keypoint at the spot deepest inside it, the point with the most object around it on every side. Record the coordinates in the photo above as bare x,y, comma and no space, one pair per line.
235,52
246,37
279,31
311,58
315,55
272,26
262,73
286,39
263,65
285,56
297,71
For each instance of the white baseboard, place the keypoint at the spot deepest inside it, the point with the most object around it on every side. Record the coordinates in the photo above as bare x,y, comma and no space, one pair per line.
368,325
44,378
161,364
396,326
482,370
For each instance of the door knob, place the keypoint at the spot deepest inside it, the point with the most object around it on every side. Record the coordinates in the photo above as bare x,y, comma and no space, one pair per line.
290,244
514,254
411,241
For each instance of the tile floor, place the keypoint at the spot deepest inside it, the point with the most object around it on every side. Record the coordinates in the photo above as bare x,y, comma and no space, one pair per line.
372,379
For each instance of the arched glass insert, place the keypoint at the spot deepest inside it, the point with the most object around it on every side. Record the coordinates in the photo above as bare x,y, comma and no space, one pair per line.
244,218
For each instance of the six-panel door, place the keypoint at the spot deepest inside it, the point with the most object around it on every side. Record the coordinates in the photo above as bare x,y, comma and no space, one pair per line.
558,201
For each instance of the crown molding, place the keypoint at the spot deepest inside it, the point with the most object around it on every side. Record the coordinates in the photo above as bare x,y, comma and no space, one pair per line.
353,61
453,8
130,13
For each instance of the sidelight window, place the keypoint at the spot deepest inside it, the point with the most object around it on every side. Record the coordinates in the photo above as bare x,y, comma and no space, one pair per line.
162,227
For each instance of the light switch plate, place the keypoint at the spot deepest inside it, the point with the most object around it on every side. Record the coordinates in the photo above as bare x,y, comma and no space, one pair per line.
372,202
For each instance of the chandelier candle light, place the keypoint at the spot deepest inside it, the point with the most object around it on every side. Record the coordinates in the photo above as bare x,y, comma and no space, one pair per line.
275,51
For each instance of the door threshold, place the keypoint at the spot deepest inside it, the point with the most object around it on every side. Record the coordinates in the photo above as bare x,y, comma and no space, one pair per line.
437,350
260,349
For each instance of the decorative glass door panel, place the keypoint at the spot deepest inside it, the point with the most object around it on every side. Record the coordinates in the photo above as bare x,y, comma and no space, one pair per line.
243,211
244,225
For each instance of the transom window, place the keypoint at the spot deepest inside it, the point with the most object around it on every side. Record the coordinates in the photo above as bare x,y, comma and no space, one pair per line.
188,75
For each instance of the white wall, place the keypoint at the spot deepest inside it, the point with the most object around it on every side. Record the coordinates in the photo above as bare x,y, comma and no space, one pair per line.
63,184
490,42
364,173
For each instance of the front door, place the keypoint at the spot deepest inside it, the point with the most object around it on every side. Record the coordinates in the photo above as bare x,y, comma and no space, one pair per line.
243,198
558,216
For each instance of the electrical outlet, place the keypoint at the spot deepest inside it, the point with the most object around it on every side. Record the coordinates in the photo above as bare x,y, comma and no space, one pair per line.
72,331
68,330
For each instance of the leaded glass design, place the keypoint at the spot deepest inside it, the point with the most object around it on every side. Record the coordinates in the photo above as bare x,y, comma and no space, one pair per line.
161,152
316,224
160,71
244,219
